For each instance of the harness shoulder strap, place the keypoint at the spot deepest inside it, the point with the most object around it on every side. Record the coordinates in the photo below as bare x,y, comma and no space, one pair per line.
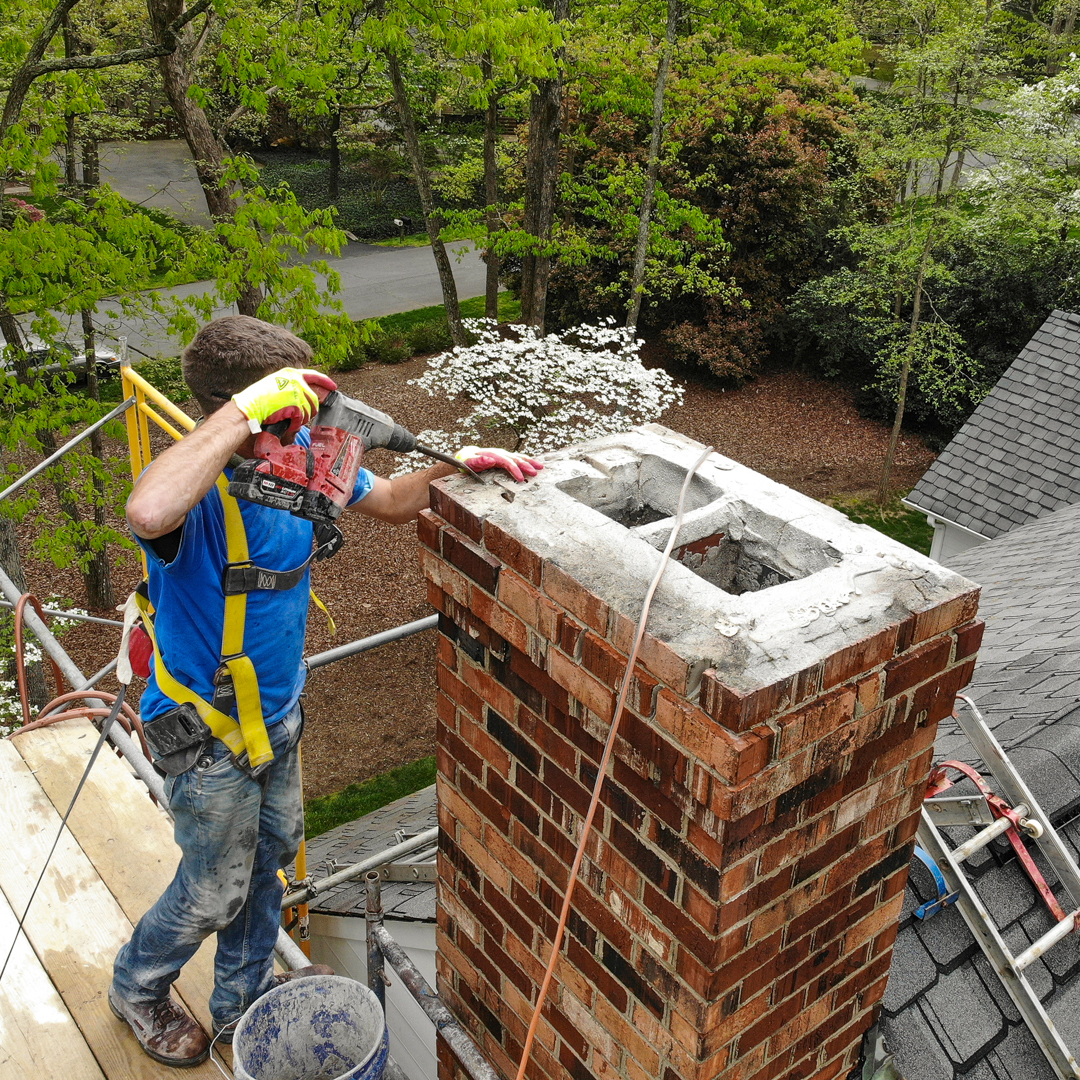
245,683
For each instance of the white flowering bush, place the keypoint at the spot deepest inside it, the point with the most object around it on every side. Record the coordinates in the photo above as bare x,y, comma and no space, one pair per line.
549,391
10,707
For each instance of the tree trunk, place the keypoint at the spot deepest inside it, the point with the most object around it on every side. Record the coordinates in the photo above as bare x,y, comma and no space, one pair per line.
10,556
71,174
637,279
27,72
491,193
905,372
71,48
335,156
91,163
432,220
206,151
541,180
98,574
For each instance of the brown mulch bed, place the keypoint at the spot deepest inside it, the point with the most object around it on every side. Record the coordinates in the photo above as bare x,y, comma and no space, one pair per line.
372,712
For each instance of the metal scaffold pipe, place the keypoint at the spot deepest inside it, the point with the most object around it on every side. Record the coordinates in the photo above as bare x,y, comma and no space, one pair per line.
373,642
373,862
457,1038
69,445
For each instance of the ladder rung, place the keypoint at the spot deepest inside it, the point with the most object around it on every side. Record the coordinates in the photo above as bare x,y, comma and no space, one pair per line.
1051,937
983,837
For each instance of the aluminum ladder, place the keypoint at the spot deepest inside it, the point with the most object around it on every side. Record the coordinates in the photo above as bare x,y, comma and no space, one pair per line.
1012,810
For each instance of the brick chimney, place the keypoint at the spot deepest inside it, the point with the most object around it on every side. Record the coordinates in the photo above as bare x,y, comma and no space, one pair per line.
739,900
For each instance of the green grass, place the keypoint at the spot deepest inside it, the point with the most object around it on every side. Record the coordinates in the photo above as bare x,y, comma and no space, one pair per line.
395,338
894,520
356,800
419,239
509,310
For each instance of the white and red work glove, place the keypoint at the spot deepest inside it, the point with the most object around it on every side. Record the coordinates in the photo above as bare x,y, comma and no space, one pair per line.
491,457
286,395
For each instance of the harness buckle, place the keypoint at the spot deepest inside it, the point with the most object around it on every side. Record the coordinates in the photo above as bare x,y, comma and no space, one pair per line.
239,577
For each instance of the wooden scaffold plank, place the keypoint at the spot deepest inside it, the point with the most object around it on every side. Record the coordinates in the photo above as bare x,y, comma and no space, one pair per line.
75,925
127,838
38,1036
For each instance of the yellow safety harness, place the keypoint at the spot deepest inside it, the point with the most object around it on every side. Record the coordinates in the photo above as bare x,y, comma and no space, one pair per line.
248,737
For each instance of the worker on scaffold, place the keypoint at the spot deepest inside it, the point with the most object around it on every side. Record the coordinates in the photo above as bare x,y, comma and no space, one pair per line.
233,787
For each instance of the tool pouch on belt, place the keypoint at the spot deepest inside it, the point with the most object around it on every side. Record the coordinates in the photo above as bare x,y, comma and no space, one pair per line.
177,739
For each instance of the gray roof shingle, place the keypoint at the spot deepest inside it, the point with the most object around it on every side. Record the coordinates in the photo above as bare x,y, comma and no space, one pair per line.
951,1018
356,840
1018,455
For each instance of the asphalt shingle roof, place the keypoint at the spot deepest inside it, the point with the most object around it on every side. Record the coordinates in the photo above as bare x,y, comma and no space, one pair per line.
410,901
946,1016
1018,455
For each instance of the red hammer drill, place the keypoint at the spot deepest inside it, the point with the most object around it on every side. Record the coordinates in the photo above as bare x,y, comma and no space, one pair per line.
316,483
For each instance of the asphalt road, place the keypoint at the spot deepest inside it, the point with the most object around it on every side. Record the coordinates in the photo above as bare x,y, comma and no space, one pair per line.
375,281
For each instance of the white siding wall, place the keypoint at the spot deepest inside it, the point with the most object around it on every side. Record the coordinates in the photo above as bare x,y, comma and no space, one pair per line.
949,541
341,942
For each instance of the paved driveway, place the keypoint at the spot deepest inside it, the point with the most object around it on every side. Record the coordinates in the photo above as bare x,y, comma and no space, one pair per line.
375,281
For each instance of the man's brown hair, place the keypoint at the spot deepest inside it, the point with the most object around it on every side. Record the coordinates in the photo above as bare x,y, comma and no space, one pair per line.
234,351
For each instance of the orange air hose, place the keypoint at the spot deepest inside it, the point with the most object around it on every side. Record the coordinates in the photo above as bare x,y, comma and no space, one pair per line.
601,772
20,660
128,718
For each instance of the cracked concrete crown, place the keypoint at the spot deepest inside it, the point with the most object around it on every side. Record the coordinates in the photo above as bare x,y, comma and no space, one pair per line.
603,510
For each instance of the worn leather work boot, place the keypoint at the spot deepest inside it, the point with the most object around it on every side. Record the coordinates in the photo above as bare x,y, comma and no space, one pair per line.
225,1034
165,1032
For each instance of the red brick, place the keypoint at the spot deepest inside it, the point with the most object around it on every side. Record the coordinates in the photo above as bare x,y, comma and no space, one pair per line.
608,665
641,696
445,576
814,720
776,1018
499,619
521,598
572,595
735,757
868,854
916,667
428,529
952,613
487,689
446,506
934,700
436,597
446,654
808,682
968,639
861,657
457,691
868,692
581,685
513,552
571,635
666,664
741,710
834,1022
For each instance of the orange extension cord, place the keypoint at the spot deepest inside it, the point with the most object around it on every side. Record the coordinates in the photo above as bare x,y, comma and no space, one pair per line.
601,773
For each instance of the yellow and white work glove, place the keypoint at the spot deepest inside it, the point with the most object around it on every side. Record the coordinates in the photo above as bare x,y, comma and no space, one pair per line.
286,395
480,458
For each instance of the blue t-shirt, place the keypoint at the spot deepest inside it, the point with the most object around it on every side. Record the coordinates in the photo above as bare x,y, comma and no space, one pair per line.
189,602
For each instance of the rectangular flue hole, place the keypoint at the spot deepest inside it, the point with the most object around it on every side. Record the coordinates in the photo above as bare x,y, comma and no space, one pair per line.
726,564
634,514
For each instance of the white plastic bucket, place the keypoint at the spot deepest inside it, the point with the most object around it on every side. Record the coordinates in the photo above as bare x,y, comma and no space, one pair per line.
318,1028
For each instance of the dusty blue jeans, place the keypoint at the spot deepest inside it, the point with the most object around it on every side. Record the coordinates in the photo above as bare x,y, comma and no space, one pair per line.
234,833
